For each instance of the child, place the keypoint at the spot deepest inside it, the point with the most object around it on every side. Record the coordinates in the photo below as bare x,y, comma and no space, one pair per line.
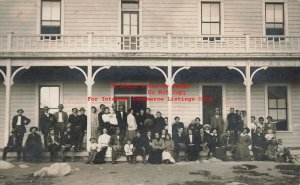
93,151
129,151
282,153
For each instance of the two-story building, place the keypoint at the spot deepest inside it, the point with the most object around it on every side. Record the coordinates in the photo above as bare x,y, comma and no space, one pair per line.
242,54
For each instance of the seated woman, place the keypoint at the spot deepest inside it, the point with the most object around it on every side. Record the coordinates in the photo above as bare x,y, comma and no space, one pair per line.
192,149
213,143
242,150
103,141
155,156
271,150
33,145
168,153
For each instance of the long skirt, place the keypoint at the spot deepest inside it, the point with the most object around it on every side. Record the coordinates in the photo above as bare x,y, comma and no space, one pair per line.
155,156
242,152
130,134
100,156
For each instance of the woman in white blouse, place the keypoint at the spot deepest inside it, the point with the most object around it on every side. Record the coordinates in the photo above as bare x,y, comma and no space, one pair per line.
132,126
103,141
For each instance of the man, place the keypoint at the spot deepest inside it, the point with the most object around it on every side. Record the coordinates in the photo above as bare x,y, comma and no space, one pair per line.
61,118
148,139
158,124
67,144
179,142
258,145
149,120
82,127
13,145
18,124
122,120
46,122
100,120
191,143
196,126
218,123
232,120
139,147
33,145
53,144
116,144
227,144
113,122
177,125
203,139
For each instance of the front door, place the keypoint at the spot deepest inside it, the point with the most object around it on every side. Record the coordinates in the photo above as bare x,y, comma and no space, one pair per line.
214,93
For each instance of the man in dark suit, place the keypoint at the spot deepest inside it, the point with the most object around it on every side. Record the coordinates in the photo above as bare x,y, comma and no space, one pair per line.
46,122
61,118
177,125
192,149
82,127
100,120
228,144
122,120
232,120
33,146
67,144
53,144
139,147
179,142
204,138
148,140
258,145
13,145
116,144
18,124
217,122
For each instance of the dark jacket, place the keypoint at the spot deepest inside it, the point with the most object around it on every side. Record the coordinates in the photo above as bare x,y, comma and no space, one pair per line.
122,121
195,140
232,121
33,140
74,120
158,125
259,140
195,127
115,141
64,117
176,126
67,140
24,121
46,122
227,141
50,141
82,122
139,142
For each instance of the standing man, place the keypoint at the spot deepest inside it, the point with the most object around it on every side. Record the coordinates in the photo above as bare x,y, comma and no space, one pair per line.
74,125
18,124
46,122
232,120
82,127
100,120
116,144
13,145
61,118
218,123
122,120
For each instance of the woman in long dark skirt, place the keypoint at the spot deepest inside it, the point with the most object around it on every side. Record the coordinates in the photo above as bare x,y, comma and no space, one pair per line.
103,146
158,145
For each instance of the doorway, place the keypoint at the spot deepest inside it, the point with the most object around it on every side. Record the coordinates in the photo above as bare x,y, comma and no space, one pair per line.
215,94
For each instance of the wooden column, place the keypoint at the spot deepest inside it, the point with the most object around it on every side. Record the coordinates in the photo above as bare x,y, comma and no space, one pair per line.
169,82
89,84
248,92
7,100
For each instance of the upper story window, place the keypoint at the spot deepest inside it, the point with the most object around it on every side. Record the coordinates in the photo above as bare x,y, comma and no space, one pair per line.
210,18
274,19
51,17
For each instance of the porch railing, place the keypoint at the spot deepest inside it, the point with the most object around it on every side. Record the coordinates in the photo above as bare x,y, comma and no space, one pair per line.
149,43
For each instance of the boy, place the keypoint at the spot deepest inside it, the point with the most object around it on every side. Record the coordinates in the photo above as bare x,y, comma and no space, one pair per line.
282,153
128,148
93,151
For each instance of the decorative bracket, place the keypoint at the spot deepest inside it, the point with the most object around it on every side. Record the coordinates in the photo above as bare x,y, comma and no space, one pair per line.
4,76
97,71
16,71
169,80
244,76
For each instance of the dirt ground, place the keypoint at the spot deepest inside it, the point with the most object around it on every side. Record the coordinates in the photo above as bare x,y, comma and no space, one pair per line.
183,173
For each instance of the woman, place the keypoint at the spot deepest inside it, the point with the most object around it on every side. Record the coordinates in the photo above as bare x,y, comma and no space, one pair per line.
242,150
140,119
164,134
33,145
270,126
106,119
103,141
94,122
158,145
132,126
168,153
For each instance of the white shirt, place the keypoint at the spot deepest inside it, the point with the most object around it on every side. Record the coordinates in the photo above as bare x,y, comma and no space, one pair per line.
103,140
111,118
93,146
191,138
131,122
128,149
19,120
60,118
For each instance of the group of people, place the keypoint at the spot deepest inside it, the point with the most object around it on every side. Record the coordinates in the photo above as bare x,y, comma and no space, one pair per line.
140,133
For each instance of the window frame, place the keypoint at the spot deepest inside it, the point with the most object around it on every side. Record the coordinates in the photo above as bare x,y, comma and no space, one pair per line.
274,23
59,95
41,18
220,16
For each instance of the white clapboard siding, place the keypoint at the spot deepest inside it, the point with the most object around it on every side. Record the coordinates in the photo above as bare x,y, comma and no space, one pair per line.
294,17
176,16
18,16
74,95
101,89
100,17
2,113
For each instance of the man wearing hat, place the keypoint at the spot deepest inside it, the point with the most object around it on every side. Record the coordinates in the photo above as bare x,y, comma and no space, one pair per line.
33,145
82,127
46,122
18,124
61,118
217,122
13,145
53,144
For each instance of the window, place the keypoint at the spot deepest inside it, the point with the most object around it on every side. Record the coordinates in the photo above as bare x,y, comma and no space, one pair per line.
49,96
51,17
277,106
130,25
274,19
210,18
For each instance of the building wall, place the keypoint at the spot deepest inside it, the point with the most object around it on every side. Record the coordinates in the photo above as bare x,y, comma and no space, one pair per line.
157,17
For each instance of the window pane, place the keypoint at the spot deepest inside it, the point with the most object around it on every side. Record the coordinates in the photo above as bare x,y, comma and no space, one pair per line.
126,18
282,114
134,20
281,103
278,26
46,10
126,30
134,30
270,13
273,113
215,29
55,13
215,12
277,92
54,97
206,12
278,13
130,6
44,95
206,28
272,103
50,23
49,96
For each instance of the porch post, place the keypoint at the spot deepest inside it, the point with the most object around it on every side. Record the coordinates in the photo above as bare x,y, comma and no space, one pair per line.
89,103
170,82
7,100
248,93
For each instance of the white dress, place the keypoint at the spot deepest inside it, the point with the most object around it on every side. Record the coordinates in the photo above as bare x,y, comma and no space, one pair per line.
103,141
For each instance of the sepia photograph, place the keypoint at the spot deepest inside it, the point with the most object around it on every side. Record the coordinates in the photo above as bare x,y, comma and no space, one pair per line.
150,92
